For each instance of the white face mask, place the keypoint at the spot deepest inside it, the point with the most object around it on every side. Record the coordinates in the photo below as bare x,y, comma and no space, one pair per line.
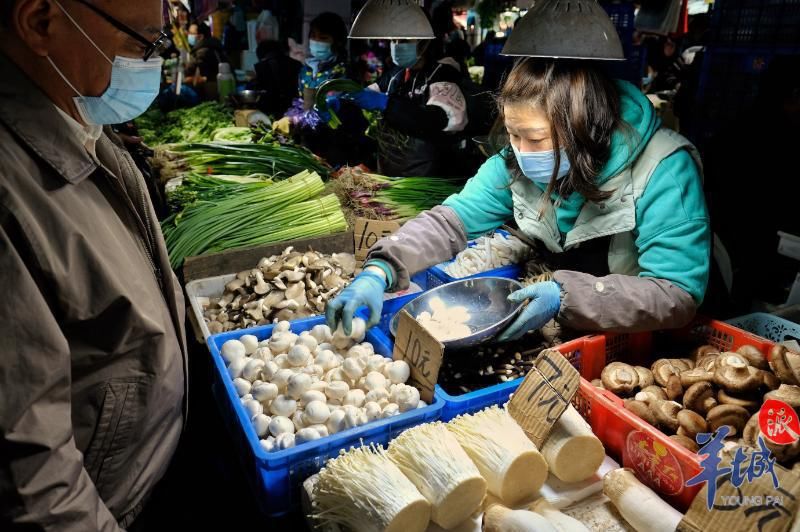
134,85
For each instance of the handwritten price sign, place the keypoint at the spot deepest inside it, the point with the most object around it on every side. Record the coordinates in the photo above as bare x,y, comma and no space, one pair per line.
367,232
423,352
544,395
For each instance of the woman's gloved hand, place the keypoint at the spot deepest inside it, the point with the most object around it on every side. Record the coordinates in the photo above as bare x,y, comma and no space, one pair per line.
334,103
544,304
369,100
366,289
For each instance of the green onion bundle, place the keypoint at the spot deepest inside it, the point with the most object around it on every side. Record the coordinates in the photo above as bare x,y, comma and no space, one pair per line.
196,187
379,197
274,159
262,214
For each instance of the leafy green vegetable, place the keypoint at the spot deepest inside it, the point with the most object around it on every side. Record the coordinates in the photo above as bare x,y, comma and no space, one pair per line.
193,124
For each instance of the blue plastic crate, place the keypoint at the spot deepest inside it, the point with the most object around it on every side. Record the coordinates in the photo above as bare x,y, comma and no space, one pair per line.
768,326
276,478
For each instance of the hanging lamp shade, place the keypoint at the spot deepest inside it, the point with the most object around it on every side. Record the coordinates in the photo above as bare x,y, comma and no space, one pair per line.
567,29
391,19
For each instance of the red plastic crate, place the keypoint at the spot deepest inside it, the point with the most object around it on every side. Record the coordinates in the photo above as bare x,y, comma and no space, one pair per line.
658,461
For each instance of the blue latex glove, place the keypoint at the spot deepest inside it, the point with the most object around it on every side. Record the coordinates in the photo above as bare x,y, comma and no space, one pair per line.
544,304
369,100
366,289
334,103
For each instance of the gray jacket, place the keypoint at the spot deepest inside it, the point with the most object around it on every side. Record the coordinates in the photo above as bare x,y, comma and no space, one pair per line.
93,362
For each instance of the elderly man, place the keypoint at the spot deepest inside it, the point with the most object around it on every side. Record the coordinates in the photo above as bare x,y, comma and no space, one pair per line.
92,350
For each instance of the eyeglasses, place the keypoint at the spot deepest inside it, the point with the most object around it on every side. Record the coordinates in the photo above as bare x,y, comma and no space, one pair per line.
151,47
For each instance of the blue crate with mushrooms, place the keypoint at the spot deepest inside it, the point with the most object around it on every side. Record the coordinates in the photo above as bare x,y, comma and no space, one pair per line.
295,394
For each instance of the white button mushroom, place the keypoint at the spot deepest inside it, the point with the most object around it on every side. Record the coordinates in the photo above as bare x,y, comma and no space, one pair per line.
264,343
232,350
357,351
375,381
373,411
299,356
317,412
422,404
368,347
307,340
250,343
376,395
236,367
299,420
337,375
265,392
306,434
322,333
242,386
390,410
246,397
253,408
281,425
355,398
263,353
343,341
283,406
269,370
312,395
282,361
297,385
261,424
281,379
322,430
337,390
398,371
352,368
285,441
327,359
280,343
335,422
319,386
268,444
354,417
315,370
407,398
282,327
377,363
252,370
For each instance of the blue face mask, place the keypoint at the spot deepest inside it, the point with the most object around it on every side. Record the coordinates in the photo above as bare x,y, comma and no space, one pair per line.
404,54
538,165
133,87
192,38
320,50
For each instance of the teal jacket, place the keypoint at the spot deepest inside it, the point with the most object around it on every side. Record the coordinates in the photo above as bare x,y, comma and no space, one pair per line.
672,225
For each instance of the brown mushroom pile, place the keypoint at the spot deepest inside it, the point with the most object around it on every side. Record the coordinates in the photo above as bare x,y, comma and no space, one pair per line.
685,396
288,286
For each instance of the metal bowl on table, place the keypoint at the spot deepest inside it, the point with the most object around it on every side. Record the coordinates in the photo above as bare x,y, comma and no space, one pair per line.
485,298
247,97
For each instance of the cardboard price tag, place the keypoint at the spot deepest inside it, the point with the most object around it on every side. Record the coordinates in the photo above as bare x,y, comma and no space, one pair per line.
543,396
755,505
367,232
422,351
